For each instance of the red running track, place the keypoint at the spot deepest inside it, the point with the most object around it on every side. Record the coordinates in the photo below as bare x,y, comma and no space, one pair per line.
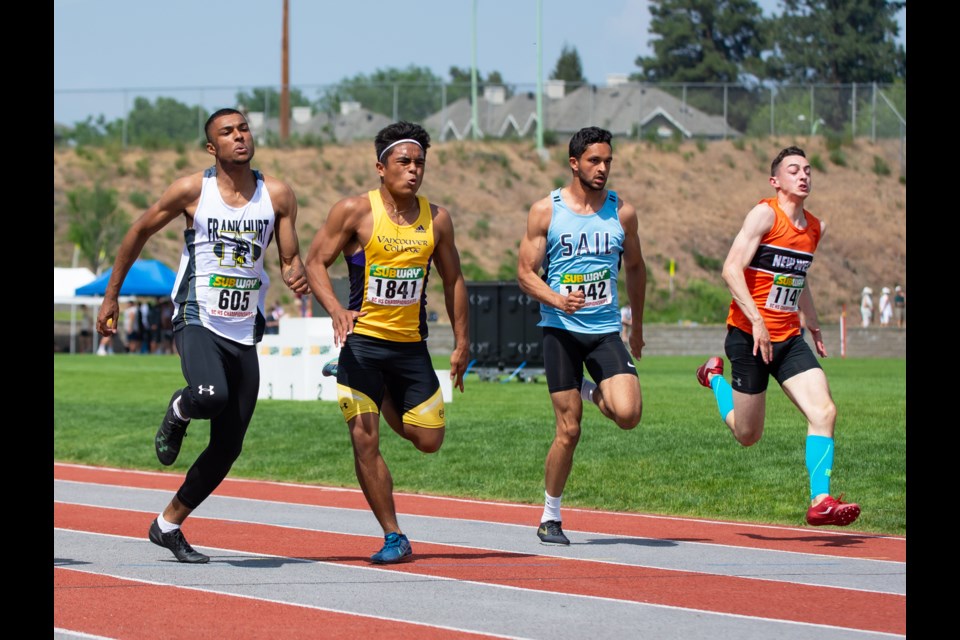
751,597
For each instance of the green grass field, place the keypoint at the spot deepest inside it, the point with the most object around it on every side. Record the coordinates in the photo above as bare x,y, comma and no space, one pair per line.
681,460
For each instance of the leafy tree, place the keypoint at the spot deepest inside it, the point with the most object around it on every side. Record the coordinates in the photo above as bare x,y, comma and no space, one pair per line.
703,41
417,92
461,82
568,67
707,41
95,131
164,123
268,101
96,224
839,41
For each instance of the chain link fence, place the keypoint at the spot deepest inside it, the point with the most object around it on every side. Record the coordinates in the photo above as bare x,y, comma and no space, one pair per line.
448,110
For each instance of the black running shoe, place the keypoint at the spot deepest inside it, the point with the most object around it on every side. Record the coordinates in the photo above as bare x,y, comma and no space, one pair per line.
170,434
551,533
177,544
330,369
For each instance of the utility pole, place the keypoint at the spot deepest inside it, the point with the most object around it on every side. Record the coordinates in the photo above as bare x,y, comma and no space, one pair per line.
285,76
474,120
540,148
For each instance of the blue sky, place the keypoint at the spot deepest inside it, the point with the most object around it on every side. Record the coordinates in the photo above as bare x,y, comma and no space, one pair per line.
208,50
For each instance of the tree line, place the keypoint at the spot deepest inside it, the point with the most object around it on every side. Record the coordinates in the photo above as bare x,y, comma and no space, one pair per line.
702,42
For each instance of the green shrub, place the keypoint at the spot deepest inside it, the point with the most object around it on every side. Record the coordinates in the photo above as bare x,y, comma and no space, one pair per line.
817,163
481,229
707,262
142,168
472,272
880,166
838,157
139,200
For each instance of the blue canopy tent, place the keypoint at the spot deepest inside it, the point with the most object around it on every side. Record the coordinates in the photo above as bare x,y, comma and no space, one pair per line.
145,278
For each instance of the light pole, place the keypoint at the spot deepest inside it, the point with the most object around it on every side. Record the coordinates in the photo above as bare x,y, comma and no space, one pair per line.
285,76
473,78
540,150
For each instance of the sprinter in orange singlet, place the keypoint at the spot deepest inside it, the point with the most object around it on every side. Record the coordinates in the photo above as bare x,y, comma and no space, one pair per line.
766,273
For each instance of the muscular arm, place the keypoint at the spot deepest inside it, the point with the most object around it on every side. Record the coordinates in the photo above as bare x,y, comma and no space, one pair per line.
533,249
288,244
758,222
341,226
635,272
809,311
172,203
447,259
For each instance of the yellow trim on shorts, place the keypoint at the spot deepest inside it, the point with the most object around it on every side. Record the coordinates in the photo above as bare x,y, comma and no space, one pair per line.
353,403
427,414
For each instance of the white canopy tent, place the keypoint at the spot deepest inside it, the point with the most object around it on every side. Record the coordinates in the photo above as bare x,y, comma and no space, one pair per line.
65,283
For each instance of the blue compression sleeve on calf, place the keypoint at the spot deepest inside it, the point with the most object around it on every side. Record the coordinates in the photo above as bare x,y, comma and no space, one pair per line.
724,395
819,464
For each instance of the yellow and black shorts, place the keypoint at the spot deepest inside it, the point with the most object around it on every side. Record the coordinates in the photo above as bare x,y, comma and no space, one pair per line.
368,366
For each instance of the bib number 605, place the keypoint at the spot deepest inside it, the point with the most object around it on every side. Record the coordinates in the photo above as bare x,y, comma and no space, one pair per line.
234,300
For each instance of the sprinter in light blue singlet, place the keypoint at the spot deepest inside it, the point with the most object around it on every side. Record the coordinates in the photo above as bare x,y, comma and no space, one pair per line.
583,254
583,238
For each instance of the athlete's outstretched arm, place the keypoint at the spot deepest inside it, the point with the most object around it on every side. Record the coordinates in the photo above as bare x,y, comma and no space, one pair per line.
288,245
172,203
635,271
447,259
533,249
341,225
758,222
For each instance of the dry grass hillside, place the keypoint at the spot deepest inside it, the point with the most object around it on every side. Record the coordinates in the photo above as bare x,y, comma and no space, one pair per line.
691,200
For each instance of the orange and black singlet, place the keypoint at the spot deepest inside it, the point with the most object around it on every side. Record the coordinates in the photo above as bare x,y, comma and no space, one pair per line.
777,274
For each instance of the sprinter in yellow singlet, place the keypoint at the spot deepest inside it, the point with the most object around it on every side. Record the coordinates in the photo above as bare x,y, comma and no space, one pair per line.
389,238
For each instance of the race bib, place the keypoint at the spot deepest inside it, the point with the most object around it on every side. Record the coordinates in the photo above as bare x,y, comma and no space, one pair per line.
233,297
597,286
393,286
785,293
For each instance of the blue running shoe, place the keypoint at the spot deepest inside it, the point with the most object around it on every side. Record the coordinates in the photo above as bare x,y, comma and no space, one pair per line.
330,369
395,548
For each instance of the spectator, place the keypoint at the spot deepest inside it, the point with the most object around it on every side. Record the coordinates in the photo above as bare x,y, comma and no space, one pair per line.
145,335
153,318
132,327
886,307
899,305
626,321
866,306
273,321
166,327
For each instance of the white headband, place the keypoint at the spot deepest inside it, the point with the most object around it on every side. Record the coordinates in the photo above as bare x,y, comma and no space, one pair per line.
393,144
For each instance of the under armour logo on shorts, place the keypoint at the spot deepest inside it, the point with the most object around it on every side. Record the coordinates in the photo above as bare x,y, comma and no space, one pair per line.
200,389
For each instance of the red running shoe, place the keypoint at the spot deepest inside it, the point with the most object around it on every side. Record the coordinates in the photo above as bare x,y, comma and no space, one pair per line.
712,365
833,511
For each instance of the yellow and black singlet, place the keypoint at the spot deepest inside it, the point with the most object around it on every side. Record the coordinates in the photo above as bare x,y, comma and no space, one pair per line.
388,278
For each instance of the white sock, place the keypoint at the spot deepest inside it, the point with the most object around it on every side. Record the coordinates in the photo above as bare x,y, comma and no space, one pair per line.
551,508
176,409
166,527
586,390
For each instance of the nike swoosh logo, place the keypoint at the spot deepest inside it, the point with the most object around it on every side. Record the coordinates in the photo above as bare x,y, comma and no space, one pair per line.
630,364
827,512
